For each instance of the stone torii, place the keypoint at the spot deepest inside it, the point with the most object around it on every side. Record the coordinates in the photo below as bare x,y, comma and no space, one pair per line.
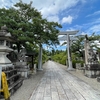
68,50
70,67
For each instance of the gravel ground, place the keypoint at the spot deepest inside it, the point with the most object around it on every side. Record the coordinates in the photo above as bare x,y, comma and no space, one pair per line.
26,90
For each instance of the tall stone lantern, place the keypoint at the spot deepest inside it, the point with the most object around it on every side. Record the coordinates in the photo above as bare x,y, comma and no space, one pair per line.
14,79
5,44
5,47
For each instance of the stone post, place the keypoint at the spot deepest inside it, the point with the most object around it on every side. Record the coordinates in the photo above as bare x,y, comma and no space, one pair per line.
35,69
40,59
87,47
70,67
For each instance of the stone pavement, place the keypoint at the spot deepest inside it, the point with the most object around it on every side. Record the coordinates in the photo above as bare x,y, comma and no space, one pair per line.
58,84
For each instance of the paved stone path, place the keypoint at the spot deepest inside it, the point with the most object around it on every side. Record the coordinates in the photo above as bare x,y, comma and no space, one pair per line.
58,84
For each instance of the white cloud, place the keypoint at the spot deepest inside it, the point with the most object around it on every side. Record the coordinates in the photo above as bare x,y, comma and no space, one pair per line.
71,29
83,33
63,43
52,7
95,13
67,20
62,38
53,18
61,48
96,21
49,8
89,28
5,3
94,28
45,47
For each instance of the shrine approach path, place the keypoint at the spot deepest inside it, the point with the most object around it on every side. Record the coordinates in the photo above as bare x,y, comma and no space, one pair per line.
59,84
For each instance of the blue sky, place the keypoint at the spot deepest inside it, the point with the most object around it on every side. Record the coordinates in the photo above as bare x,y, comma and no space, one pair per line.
82,15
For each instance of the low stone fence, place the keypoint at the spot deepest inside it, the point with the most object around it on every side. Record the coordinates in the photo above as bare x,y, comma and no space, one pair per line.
92,70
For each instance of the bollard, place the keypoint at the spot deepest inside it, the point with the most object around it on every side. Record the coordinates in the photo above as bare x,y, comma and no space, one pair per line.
35,68
5,87
0,75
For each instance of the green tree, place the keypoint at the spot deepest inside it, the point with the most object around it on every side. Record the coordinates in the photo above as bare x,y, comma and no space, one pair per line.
28,27
59,56
78,46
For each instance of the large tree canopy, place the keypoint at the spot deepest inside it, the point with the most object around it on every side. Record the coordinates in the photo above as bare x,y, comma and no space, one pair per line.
27,25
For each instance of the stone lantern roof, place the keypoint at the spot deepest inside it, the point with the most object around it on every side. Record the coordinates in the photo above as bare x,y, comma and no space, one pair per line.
4,27
3,30
5,35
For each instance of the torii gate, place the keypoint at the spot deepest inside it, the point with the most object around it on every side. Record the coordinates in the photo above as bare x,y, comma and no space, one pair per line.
70,67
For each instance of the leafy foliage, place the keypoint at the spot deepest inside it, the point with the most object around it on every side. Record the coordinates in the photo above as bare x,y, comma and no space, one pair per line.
28,27
77,50
78,46
60,56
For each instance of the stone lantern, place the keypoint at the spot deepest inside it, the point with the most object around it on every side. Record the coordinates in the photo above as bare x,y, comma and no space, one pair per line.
5,40
5,47
14,79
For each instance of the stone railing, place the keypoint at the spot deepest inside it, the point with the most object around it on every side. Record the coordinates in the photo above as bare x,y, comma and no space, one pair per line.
92,70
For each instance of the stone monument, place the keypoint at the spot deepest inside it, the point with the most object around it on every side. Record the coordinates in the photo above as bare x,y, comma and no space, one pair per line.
21,64
92,67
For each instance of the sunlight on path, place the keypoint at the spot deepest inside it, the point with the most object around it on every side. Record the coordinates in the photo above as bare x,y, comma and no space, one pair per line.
57,84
